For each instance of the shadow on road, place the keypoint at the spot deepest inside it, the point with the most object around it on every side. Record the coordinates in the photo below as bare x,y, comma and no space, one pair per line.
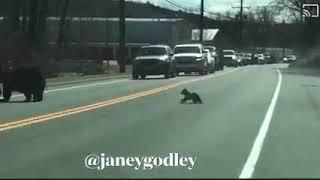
153,78
190,103
187,75
12,102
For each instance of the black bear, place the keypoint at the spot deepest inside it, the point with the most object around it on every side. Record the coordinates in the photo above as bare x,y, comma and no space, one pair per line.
26,80
190,96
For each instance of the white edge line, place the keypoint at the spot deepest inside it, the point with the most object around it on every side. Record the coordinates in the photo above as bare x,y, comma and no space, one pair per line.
253,157
76,87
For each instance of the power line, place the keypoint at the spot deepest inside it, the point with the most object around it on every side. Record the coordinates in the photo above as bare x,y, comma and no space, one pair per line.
188,9
194,8
219,15
175,4
201,20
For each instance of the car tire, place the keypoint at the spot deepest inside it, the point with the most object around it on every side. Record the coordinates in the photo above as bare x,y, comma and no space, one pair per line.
222,67
206,71
7,92
135,76
173,74
213,69
167,76
143,76
202,72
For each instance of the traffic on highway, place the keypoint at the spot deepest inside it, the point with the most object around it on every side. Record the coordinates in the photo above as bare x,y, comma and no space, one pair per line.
159,89
193,58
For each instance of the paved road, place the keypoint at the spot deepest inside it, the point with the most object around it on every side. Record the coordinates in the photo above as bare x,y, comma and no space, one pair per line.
144,118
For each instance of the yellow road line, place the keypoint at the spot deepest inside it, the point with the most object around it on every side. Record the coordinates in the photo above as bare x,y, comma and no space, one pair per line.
68,112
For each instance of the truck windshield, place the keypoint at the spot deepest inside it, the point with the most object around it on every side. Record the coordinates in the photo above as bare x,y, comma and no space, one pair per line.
180,50
152,51
210,49
228,53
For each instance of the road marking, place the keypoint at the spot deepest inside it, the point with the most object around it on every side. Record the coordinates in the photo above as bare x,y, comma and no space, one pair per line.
253,157
60,114
79,86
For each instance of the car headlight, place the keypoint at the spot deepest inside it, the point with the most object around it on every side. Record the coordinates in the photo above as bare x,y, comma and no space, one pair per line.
164,58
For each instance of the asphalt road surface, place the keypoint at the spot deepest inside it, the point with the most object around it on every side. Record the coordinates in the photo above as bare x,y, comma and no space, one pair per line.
256,121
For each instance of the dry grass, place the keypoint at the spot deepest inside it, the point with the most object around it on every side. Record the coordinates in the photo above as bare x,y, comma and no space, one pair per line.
310,60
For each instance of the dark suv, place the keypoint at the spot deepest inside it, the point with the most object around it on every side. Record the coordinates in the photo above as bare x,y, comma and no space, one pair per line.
154,60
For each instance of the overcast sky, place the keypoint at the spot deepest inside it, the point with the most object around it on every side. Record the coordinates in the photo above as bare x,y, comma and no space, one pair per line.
213,5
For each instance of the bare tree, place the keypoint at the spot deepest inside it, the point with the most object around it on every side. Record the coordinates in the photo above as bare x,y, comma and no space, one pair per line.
310,28
42,18
251,17
24,15
265,15
294,7
15,6
62,24
122,38
33,20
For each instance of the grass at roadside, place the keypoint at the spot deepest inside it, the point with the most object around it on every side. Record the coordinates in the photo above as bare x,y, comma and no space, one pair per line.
310,60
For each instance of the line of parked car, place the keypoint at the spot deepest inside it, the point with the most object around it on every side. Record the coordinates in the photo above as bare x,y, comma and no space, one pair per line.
184,58
235,59
188,58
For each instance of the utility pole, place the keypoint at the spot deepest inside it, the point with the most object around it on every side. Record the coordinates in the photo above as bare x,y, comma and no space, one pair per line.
122,37
241,22
283,41
201,21
32,23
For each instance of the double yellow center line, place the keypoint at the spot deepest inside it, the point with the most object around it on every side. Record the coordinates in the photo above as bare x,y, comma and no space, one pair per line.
68,112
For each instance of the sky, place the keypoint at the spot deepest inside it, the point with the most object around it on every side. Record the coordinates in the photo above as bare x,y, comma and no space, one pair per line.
213,5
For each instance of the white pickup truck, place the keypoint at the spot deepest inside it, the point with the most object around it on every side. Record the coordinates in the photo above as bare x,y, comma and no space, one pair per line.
191,58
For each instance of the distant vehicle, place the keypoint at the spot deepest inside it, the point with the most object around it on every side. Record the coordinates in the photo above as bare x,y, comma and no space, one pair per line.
273,59
240,59
154,60
212,50
248,59
260,58
229,57
267,57
254,59
289,59
218,62
211,61
191,58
